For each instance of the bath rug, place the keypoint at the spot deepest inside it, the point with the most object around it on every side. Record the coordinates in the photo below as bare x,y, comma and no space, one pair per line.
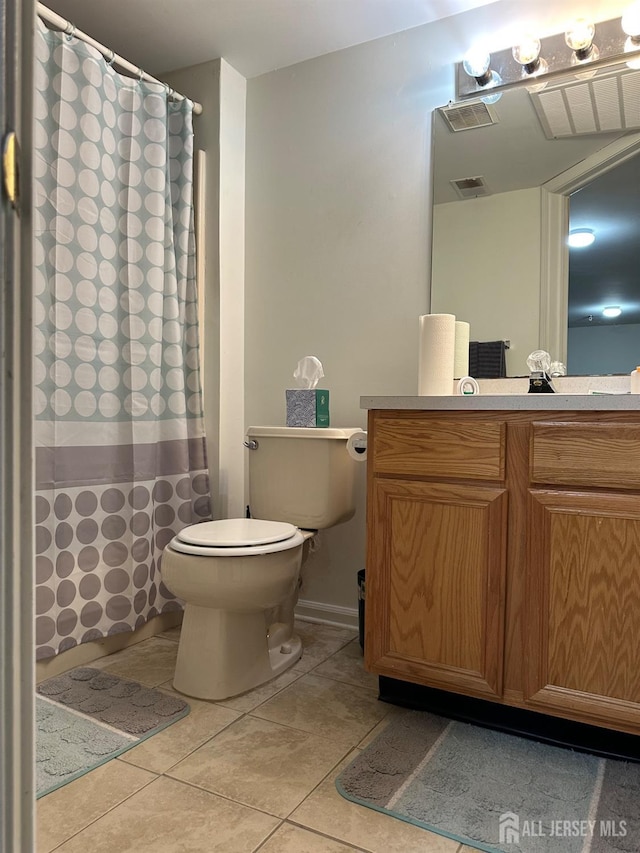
86,717
494,791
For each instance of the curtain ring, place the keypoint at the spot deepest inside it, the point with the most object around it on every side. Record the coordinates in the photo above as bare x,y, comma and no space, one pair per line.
140,73
111,59
69,31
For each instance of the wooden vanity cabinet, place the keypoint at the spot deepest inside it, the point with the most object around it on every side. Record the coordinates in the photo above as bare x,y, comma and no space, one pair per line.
583,576
503,558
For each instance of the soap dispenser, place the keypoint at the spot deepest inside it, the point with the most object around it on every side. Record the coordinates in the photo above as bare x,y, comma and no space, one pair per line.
539,363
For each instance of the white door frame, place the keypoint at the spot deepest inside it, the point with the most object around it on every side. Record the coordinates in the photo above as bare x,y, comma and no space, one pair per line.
554,265
16,486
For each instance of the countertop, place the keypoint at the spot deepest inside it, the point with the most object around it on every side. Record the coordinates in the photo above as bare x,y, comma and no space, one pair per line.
512,394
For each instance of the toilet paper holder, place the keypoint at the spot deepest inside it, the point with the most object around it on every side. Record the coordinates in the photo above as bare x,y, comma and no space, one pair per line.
357,446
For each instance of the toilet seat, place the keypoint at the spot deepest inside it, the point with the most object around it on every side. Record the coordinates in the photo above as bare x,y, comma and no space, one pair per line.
237,537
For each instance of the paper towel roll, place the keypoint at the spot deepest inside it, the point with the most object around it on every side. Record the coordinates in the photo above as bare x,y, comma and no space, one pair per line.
435,357
461,351
357,446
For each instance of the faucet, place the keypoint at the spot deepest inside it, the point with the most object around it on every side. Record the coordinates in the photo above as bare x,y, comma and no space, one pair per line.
539,363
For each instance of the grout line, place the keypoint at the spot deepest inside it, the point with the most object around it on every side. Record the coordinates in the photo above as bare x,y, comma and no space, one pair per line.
224,797
268,838
115,806
348,683
188,754
348,844
349,745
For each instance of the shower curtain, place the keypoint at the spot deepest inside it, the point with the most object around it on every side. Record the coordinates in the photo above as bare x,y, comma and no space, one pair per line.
120,454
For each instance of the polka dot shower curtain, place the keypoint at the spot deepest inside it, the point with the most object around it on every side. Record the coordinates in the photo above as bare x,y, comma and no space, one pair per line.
120,454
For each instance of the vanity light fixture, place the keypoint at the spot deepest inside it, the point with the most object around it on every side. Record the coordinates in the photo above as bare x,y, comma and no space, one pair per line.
612,311
551,58
580,238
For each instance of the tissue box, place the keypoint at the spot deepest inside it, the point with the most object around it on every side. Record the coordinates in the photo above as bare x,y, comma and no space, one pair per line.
307,407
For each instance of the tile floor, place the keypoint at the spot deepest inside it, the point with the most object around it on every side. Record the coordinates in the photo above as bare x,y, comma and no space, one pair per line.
253,773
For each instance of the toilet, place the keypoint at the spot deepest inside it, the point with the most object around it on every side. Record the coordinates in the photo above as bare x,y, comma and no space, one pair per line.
239,577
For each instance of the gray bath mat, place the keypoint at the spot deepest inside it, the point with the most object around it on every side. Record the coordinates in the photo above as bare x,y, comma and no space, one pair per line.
497,792
86,717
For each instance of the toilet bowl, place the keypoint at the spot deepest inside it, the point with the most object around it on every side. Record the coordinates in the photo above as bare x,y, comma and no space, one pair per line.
230,573
239,577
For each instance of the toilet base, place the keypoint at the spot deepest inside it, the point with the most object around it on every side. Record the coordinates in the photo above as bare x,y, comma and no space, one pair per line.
223,653
285,655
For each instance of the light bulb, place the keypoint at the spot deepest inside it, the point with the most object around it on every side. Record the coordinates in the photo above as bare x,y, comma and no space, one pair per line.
631,21
476,63
579,37
631,45
612,311
579,238
526,53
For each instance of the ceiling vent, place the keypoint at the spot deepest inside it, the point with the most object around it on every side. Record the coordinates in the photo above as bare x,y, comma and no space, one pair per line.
468,116
601,105
471,187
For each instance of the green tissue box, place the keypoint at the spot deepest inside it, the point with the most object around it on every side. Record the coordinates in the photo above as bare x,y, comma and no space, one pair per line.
307,407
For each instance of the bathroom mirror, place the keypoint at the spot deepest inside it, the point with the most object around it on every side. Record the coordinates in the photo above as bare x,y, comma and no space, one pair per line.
506,191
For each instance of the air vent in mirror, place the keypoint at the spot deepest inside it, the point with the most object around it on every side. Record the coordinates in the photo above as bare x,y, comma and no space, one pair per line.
471,187
468,116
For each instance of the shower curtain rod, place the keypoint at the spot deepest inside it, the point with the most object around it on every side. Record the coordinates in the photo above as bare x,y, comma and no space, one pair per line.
113,58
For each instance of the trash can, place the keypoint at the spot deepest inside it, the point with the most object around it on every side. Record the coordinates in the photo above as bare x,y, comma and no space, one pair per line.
361,607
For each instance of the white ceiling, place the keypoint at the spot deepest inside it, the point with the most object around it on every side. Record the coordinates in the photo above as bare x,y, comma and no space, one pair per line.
254,36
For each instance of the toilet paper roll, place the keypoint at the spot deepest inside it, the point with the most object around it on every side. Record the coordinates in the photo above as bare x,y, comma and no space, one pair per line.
461,350
435,356
357,446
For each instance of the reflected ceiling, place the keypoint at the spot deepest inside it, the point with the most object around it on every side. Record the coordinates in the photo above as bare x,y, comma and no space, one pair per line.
608,272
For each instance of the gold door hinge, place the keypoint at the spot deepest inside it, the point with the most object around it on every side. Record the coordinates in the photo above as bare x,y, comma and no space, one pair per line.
10,153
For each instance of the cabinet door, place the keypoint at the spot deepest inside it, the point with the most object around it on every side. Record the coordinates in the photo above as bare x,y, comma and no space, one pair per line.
583,609
435,584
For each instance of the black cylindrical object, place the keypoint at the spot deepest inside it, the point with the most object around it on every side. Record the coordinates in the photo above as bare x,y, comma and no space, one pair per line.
361,607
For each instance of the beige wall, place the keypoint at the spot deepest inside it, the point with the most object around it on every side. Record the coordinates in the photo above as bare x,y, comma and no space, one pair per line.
202,83
498,293
337,247
220,132
338,227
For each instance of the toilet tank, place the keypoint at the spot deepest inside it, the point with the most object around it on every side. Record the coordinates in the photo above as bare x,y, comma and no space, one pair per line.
303,475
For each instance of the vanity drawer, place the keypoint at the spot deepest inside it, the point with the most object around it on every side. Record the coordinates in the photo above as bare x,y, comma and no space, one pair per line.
586,454
439,448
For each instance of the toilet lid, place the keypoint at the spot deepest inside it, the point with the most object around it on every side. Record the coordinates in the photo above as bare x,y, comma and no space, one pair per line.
236,533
